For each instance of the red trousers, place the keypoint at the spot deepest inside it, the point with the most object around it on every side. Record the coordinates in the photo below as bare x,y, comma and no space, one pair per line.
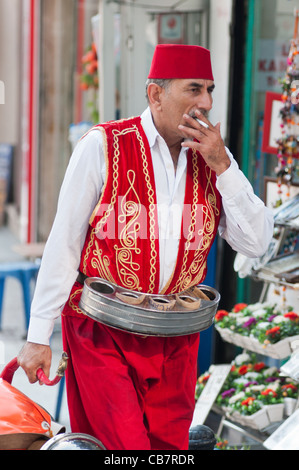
130,392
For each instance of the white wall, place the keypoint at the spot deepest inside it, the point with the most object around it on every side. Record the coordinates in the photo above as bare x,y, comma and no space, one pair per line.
219,44
134,69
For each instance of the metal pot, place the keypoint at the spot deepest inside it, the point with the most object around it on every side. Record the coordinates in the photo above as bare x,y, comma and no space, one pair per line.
73,441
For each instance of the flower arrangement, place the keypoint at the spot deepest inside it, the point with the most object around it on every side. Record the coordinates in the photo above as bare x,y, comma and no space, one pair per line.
200,385
252,387
262,322
223,444
290,390
89,79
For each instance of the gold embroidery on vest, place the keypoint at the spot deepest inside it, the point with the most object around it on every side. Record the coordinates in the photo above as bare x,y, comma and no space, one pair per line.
198,264
115,170
210,211
190,230
102,130
91,241
152,220
101,263
102,221
126,267
88,251
197,267
73,306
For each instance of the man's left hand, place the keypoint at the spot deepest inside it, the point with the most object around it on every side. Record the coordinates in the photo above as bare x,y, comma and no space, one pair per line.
208,142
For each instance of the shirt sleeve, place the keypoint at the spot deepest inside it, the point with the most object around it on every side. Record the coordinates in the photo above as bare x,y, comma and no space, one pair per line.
61,258
245,223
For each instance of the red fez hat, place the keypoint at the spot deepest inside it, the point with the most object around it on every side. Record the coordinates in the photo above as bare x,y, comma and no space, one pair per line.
181,61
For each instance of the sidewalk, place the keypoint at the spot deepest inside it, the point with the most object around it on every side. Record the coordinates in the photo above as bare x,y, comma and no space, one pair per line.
13,336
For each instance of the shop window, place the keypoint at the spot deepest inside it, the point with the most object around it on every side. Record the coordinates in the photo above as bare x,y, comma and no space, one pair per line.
273,30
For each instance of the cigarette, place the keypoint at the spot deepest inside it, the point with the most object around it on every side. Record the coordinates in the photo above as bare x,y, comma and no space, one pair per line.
204,124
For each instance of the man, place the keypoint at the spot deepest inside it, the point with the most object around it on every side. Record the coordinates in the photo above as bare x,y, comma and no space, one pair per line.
135,392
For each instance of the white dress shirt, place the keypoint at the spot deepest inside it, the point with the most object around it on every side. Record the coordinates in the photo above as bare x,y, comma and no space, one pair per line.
246,224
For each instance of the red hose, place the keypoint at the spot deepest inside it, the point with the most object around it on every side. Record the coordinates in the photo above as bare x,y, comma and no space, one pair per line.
9,370
45,380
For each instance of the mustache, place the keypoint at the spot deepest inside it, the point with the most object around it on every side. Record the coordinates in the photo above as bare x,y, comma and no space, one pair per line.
204,112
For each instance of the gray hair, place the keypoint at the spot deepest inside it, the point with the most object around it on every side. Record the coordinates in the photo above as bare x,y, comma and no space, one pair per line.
162,82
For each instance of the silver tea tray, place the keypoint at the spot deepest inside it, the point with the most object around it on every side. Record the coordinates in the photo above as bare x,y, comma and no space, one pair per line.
149,314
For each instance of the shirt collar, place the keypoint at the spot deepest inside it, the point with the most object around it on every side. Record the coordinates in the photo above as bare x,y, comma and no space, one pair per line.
149,127
150,130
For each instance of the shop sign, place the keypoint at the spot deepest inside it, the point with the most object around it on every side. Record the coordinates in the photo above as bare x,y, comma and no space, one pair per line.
290,368
286,436
271,64
170,28
210,393
272,121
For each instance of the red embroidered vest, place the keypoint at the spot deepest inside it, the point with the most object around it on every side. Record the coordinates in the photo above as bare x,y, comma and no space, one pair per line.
122,243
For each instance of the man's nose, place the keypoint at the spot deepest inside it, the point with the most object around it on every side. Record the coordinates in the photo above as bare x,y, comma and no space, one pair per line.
205,102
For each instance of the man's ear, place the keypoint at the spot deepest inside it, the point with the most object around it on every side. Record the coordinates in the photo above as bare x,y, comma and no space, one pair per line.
154,93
